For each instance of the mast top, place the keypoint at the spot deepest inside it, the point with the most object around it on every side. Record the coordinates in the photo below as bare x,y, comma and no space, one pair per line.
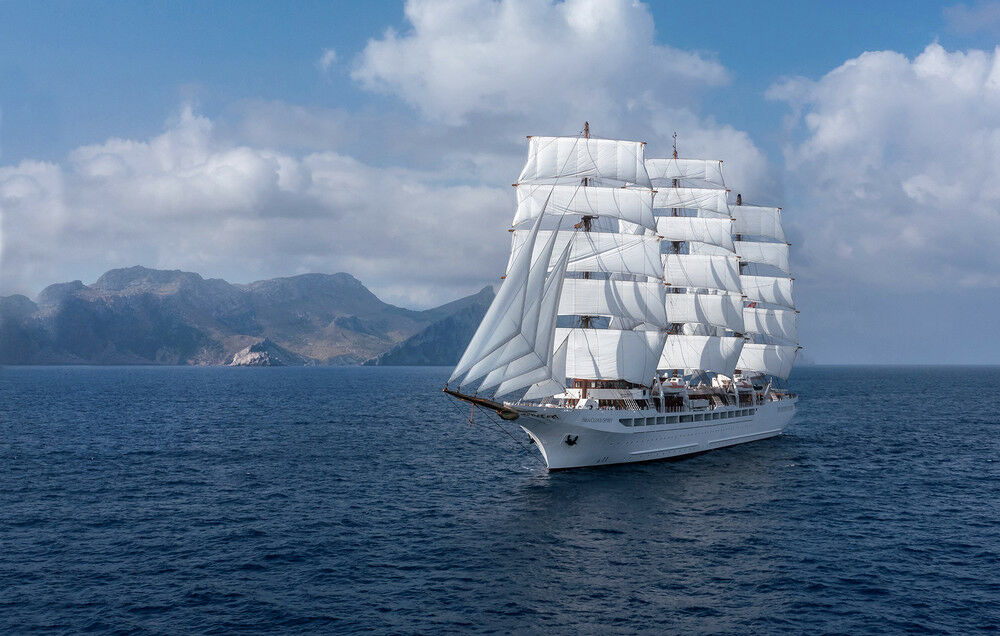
586,130
675,144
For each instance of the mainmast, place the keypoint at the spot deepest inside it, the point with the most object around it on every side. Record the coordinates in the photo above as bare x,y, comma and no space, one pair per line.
586,220
675,328
586,182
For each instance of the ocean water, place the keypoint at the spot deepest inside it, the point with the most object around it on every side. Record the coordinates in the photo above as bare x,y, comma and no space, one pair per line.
207,500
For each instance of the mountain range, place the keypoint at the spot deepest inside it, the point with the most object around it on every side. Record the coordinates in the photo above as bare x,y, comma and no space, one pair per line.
139,315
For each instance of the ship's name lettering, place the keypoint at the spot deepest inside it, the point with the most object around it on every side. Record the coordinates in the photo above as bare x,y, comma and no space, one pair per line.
597,419
539,414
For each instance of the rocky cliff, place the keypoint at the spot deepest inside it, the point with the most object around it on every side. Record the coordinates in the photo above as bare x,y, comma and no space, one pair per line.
265,354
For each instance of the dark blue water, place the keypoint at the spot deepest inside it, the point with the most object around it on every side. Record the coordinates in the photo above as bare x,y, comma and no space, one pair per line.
177,500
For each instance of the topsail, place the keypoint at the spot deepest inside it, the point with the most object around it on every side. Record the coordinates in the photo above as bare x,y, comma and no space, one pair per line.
707,170
564,159
608,252
634,205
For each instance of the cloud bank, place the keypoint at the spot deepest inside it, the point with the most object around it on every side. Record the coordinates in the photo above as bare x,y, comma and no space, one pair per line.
187,199
895,164
415,204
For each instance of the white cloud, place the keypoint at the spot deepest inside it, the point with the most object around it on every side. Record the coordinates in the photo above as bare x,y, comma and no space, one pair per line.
896,169
489,72
188,199
579,58
327,60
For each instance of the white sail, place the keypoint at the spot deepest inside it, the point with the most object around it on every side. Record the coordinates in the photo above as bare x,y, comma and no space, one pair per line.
574,158
555,383
702,271
709,170
773,254
707,353
705,199
718,310
768,289
611,354
634,205
637,302
709,249
626,227
539,331
525,339
775,323
713,231
756,220
599,251
770,359
504,318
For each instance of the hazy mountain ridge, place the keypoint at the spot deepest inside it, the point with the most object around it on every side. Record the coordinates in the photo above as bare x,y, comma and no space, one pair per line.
442,342
139,315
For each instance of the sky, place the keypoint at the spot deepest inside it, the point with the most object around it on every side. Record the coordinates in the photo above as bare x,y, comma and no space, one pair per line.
247,140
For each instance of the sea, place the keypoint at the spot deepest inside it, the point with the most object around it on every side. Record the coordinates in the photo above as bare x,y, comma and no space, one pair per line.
175,500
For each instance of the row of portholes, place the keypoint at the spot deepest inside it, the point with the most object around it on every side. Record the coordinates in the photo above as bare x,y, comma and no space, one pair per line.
693,417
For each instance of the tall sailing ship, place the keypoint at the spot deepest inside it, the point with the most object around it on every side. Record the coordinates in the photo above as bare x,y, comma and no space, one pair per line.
642,314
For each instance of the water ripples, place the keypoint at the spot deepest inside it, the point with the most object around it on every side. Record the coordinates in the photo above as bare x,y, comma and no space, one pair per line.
311,499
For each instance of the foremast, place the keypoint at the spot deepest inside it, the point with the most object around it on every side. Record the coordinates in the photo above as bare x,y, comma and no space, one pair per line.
610,303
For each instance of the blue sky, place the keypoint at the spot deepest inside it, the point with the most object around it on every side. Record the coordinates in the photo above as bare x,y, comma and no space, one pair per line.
211,137
77,73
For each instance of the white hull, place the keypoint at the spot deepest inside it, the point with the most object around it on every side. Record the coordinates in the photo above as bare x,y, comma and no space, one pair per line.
572,438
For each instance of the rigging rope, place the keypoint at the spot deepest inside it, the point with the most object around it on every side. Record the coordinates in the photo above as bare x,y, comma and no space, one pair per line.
498,425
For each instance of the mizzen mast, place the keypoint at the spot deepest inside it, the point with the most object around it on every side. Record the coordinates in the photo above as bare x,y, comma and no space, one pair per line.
769,315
